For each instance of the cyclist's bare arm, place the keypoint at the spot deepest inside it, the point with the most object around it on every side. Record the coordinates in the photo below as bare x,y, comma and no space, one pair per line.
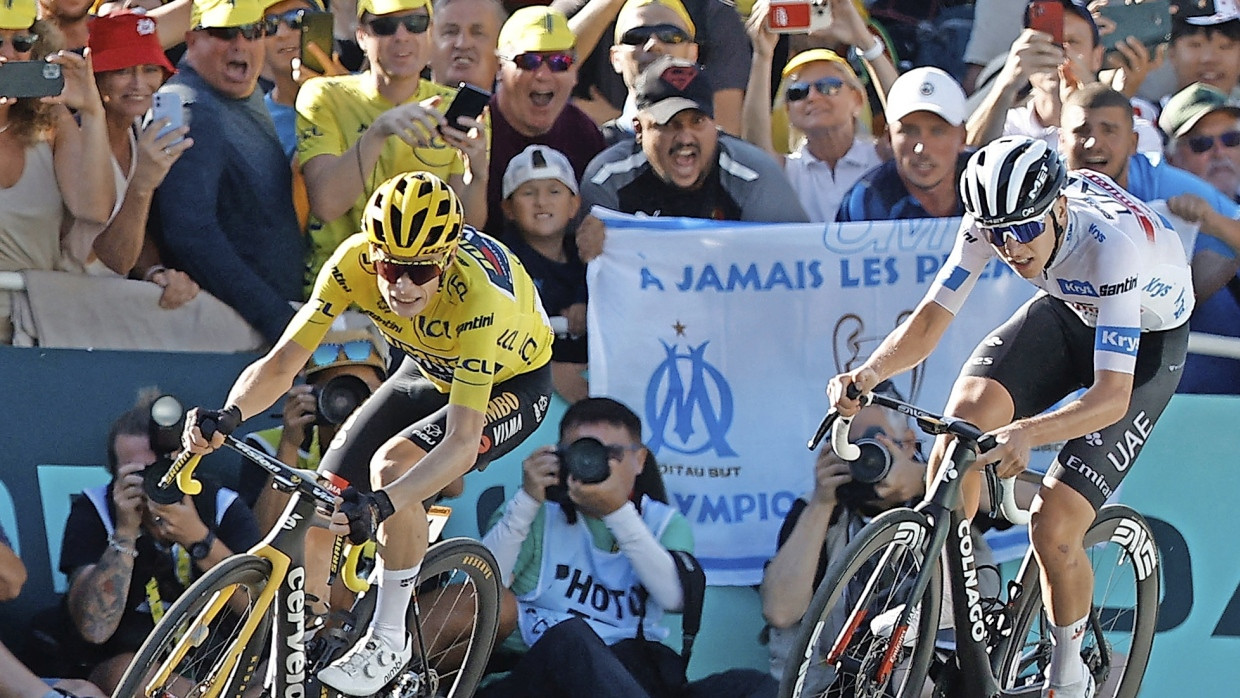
452,458
906,346
1103,404
257,388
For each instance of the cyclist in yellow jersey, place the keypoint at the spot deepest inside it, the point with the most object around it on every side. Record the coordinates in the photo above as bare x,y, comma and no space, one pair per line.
475,382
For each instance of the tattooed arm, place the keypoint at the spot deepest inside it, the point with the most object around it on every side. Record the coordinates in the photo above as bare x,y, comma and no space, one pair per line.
97,592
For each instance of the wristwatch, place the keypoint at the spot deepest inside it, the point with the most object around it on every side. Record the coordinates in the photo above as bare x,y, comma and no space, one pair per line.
200,550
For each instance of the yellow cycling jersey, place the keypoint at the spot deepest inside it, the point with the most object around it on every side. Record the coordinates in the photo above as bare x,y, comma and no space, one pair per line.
483,326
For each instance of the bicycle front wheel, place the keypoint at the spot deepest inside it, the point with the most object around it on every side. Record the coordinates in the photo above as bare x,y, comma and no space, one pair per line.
457,607
847,644
1116,648
202,647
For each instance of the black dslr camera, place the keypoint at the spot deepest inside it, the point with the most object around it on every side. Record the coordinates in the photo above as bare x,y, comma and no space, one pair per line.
167,419
868,470
338,397
586,459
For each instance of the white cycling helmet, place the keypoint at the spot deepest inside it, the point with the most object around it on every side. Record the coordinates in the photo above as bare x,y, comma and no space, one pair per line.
1014,179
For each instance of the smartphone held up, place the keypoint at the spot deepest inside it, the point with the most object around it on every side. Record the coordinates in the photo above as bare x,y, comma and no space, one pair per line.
467,104
799,16
25,79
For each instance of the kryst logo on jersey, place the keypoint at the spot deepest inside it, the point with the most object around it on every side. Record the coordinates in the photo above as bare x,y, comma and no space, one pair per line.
689,403
1077,288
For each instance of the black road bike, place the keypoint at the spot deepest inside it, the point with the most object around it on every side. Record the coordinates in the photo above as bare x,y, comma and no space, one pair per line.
875,617
240,629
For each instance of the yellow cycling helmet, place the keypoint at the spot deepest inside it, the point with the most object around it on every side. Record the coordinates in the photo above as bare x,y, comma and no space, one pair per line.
412,214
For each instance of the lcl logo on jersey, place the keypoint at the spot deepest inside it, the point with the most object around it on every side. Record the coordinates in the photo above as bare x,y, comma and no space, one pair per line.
689,403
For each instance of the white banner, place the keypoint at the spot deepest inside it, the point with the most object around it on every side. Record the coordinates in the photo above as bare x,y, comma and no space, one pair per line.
722,336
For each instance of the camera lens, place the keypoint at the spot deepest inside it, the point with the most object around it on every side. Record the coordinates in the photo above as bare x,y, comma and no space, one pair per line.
586,459
339,396
873,464
167,418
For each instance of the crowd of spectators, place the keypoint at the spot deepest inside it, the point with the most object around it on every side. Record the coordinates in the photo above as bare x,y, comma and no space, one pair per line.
660,107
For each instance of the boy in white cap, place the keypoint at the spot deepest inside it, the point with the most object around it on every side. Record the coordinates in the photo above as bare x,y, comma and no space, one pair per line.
540,203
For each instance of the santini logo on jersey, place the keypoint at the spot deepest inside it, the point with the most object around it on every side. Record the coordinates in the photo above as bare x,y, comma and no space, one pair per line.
1084,288
1121,340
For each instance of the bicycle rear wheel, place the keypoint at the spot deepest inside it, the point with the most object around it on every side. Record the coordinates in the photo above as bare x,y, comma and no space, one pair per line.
457,605
838,633
189,651
1116,648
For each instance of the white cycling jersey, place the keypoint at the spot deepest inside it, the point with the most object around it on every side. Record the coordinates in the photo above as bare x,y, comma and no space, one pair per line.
1120,267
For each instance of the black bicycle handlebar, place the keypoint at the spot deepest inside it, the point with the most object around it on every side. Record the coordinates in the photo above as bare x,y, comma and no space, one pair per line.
929,422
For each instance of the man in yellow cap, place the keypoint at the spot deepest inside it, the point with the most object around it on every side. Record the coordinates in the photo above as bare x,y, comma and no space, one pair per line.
357,131
537,71
225,209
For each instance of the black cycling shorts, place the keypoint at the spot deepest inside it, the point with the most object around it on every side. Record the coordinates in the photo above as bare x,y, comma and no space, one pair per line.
1044,353
408,405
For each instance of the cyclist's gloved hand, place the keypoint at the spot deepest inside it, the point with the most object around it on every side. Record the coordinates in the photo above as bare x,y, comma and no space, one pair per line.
364,511
223,421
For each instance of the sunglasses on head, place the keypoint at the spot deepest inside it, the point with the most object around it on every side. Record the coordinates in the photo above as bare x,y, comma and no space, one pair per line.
418,272
556,62
249,32
386,26
826,87
1024,233
1201,144
330,353
293,19
665,33
21,43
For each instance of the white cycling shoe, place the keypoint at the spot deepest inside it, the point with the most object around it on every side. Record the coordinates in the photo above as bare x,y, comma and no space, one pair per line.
1084,688
885,622
367,667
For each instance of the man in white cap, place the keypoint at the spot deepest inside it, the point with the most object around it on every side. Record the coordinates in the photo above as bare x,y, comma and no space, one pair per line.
925,122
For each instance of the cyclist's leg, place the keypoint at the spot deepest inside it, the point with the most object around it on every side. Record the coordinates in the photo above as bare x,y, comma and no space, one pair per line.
1021,368
1086,473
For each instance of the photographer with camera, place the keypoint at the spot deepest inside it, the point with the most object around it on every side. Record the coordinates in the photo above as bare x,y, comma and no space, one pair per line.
130,549
591,556
846,494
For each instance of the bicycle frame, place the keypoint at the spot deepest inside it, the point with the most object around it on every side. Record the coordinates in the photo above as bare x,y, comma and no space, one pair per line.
284,547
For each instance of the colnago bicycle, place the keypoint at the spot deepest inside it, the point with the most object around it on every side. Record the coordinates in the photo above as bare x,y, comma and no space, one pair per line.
875,616
240,629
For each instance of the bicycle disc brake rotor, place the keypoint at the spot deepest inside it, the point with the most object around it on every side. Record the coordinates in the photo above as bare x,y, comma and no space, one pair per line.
413,683
867,686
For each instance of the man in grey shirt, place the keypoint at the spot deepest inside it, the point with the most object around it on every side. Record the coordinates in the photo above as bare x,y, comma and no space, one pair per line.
680,164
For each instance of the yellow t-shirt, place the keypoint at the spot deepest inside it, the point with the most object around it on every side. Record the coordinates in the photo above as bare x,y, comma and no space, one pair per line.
483,326
332,114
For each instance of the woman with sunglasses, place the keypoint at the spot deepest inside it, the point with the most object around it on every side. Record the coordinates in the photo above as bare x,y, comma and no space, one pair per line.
129,67
49,162
1112,318
475,382
824,101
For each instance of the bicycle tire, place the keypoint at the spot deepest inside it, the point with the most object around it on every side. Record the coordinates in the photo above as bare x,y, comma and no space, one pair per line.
458,580
896,539
198,668
1135,570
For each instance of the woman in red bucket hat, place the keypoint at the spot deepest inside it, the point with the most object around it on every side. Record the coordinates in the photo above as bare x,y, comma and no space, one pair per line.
130,66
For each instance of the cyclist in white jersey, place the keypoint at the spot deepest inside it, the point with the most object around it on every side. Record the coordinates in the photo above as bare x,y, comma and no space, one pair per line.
1112,318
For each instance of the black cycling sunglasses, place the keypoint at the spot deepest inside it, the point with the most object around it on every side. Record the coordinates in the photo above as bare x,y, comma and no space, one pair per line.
1201,144
23,43
665,33
557,62
386,26
826,87
419,272
249,32
293,19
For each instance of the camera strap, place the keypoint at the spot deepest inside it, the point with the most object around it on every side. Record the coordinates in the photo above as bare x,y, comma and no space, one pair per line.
693,582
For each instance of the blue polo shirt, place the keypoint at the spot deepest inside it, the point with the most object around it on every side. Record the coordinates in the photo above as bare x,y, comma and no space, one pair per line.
880,195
